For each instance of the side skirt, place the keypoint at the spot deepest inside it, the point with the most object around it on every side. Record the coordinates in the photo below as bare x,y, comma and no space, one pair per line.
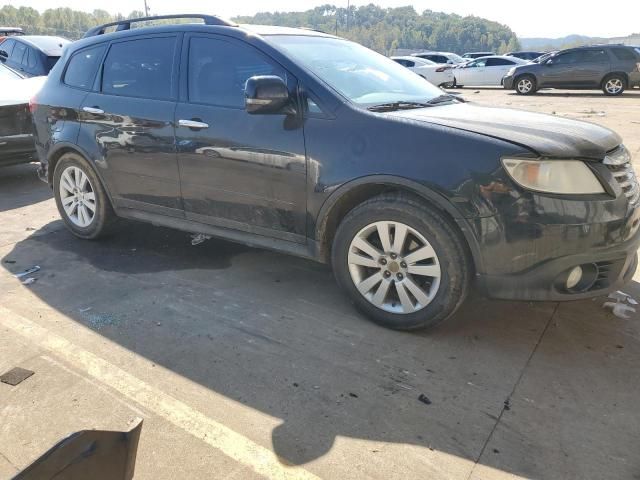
308,250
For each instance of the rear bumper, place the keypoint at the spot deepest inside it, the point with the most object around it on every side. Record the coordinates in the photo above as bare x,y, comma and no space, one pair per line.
16,149
610,269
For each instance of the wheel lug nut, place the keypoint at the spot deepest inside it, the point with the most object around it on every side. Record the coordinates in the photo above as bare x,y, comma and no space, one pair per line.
399,276
387,274
394,256
383,261
403,264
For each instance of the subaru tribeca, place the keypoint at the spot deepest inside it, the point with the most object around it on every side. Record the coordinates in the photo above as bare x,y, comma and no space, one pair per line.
309,144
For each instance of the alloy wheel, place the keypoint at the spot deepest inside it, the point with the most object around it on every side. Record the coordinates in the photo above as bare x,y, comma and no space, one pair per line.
394,267
525,85
613,86
77,196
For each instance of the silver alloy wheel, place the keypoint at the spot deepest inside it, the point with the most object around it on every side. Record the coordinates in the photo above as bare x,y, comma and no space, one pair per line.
77,196
613,86
390,254
525,85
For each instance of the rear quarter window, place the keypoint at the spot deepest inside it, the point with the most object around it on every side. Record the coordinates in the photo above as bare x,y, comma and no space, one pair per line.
83,66
624,54
140,68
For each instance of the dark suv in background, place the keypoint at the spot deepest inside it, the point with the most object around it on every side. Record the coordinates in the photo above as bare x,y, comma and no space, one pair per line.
612,68
309,144
32,55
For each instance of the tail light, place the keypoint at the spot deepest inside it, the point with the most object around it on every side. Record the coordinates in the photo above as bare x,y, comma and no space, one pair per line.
443,68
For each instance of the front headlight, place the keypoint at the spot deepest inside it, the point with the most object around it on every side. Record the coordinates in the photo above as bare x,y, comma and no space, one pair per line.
569,177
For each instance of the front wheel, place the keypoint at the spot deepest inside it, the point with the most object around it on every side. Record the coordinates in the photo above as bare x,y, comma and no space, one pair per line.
526,85
401,262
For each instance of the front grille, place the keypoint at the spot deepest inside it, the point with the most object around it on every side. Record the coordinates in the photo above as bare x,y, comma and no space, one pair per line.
619,163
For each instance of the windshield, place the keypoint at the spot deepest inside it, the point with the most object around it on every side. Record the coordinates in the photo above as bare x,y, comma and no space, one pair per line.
359,74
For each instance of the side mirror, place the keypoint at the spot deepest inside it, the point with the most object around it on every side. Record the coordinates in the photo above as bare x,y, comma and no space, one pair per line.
267,94
3,55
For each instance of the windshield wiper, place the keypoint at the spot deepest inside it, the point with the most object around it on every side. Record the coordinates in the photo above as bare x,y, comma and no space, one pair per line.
392,106
447,97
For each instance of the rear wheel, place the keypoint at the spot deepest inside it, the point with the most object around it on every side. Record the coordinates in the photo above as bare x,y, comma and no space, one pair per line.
526,85
401,262
614,85
81,199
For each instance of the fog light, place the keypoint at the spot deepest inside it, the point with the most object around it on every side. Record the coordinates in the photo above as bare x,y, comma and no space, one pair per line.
575,275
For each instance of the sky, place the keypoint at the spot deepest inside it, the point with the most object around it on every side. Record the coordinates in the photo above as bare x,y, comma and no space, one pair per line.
541,18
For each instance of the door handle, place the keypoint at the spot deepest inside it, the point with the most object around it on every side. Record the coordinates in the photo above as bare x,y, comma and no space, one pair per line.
94,110
195,124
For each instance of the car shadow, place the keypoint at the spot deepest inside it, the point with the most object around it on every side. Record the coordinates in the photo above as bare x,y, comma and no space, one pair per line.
20,186
275,333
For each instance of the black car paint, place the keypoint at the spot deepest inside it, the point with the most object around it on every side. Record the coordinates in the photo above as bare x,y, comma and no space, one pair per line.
449,155
582,75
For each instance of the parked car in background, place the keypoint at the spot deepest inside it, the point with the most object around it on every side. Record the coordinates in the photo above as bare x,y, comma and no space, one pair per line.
441,57
544,56
438,74
612,68
410,193
525,55
32,55
485,71
472,55
16,126
6,32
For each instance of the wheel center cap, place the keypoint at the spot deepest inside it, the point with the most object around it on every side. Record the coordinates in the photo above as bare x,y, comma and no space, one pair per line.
394,267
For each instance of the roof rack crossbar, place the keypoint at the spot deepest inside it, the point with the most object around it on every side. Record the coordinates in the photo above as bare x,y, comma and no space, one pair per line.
126,24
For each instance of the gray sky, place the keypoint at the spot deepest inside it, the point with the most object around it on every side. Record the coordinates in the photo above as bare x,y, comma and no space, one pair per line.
540,18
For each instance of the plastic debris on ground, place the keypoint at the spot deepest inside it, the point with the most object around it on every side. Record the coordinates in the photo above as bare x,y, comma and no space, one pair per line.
621,307
198,238
28,271
15,376
29,281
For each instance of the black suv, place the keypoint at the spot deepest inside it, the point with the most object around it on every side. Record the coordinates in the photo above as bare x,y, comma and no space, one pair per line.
612,68
313,145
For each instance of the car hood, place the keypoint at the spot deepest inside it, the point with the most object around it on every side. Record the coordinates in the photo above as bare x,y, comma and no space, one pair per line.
548,135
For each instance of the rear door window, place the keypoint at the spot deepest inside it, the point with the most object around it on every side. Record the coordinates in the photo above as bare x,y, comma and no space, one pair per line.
218,71
83,66
594,56
140,68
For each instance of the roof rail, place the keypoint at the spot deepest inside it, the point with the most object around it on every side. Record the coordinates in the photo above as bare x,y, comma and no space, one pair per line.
126,24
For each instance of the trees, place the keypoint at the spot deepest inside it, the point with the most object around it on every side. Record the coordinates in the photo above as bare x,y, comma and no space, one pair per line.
385,29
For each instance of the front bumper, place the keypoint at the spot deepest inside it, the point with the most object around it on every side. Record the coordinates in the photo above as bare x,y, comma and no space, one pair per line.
611,267
507,82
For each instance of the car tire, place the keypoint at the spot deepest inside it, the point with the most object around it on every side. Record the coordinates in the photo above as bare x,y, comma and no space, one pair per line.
81,198
525,85
613,85
443,279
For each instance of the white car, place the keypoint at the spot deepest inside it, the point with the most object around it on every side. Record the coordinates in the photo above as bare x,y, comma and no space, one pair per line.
485,70
431,71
